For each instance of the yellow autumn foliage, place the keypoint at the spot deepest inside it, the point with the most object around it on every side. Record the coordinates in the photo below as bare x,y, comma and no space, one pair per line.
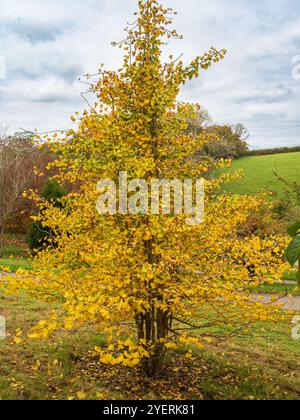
150,283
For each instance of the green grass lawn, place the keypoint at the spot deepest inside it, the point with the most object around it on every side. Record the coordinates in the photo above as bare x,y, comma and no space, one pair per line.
13,264
282,289
259,176
15,253
262,365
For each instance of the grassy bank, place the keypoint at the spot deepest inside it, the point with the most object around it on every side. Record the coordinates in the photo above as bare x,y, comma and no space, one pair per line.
259,173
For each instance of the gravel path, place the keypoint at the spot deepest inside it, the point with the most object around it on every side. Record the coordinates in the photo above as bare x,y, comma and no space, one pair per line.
289,303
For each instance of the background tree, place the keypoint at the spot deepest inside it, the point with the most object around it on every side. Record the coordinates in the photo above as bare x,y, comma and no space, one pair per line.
37,163
230,145
241,131
199,121
17,159
39,235
150,283
232,140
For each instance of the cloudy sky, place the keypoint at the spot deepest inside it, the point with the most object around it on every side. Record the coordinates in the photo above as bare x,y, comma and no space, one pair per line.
47,46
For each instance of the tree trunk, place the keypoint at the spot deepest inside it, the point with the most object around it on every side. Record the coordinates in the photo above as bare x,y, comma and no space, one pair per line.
154,324
152,327
1,240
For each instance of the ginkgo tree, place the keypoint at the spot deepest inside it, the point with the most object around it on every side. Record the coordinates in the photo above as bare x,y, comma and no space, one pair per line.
151,283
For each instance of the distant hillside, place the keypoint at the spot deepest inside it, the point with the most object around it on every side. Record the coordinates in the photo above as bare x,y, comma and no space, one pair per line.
259,175
278,150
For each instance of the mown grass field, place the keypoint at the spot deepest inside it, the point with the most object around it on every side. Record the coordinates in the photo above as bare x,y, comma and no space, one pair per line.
15,253
262,365
259,173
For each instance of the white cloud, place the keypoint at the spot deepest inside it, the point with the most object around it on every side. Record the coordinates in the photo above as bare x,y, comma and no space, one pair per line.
48,45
